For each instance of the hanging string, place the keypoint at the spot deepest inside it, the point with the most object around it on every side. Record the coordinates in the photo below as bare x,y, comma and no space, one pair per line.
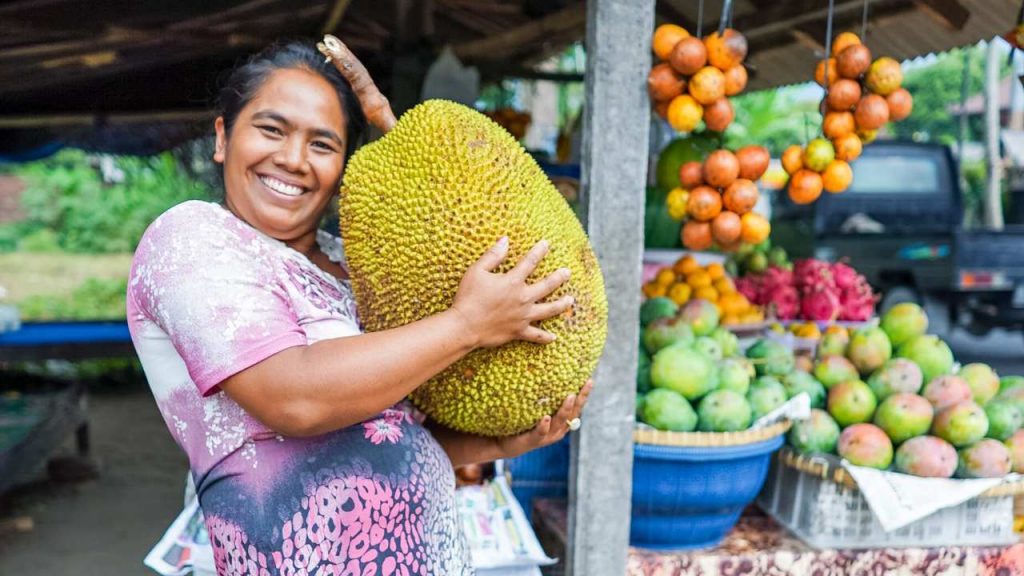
864,22
724,20
700,18
828,46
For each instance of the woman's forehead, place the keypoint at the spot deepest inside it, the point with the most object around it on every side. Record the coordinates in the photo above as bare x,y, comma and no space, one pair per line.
299,95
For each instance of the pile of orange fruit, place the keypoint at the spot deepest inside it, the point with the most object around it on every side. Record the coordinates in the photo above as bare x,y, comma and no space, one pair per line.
861,96
716,197
693,78
687,279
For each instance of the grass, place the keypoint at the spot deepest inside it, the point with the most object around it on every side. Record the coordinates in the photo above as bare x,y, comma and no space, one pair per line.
25,274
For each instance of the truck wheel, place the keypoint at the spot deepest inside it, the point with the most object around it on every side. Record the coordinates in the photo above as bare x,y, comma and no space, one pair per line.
898,295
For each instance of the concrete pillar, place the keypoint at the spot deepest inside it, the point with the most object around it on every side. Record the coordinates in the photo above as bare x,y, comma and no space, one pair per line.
614,167
993,200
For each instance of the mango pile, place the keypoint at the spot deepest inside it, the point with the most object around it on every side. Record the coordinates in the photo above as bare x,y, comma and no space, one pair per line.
893,397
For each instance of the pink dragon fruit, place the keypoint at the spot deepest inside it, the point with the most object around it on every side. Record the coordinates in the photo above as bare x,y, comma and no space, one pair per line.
844,275
858,301
775,278
811,274
784,303
820,305
750,286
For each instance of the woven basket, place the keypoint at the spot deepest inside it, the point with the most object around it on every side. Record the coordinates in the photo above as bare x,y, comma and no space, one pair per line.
832,471
709,439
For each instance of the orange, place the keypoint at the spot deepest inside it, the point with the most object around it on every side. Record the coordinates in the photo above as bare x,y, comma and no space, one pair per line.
733,303
837,177
685,265
665,277
707,85
715,270
793,159
684,113
653,290
706,293
676,203
730,320
805,186
724,286
848,147
838,124
699,279
696,235
833,72
755,228
844,41
680,293
704,203
665,38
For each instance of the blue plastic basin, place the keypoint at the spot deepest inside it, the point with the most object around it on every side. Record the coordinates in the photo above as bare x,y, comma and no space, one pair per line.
689,497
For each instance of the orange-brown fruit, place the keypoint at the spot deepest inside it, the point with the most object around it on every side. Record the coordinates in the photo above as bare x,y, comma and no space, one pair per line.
718,115
867,136
793,159
721,168
872,112
661,109
688,56
735,80
707,85
848,147
853,61
884,76
727,49
684,113
704,203
696,235
691,175
664,83
838,124
753,161
844,41
755,228
725,228
805,186
901,103
665,38
741,196
819,72
843,94
837,177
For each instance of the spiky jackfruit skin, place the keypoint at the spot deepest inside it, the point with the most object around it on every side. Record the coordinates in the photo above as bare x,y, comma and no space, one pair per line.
423,203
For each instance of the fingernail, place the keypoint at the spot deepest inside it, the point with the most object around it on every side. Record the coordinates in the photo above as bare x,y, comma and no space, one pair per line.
571,300
544,243
503,242
566,273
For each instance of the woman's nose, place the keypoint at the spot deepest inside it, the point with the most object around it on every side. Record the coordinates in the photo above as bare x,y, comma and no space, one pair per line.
292,155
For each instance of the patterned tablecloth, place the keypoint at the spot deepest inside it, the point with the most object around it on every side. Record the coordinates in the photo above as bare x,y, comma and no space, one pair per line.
759,546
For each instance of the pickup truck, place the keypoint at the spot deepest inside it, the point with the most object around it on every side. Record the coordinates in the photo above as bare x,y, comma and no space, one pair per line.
901,225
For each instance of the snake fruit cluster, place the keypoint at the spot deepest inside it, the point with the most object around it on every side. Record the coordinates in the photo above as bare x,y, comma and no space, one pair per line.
424,202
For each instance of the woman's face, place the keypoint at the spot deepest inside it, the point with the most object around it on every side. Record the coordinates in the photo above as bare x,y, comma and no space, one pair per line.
285,154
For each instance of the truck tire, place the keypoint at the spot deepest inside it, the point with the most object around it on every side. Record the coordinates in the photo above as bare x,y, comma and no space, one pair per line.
898,295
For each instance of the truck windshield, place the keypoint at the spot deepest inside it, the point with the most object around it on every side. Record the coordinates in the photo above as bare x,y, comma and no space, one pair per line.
906,175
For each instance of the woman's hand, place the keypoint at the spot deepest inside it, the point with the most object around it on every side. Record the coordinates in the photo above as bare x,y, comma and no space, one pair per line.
550,429
497,308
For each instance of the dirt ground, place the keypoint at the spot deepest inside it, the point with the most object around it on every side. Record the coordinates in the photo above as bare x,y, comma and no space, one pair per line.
107,525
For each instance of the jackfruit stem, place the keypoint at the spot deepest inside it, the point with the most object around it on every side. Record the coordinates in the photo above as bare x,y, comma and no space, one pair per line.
375,105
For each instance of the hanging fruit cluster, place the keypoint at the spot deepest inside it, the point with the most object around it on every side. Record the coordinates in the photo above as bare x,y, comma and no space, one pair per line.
694,78
861,96
716,198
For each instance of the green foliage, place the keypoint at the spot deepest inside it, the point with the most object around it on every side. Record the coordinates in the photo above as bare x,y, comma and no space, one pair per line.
94,299
39,240
67,196
772,118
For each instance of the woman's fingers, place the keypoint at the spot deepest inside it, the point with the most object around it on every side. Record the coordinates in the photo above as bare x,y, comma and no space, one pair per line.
529,263
546,310
536,335
494,256
545,286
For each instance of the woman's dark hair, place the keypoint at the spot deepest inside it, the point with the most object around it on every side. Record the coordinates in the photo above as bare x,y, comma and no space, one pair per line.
245,80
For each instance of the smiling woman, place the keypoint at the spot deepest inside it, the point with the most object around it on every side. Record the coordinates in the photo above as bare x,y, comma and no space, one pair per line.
305,454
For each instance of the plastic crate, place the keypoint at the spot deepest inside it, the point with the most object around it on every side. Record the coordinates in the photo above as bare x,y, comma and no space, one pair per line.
828,514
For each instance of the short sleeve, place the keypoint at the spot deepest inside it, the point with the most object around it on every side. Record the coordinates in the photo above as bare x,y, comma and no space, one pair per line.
208,280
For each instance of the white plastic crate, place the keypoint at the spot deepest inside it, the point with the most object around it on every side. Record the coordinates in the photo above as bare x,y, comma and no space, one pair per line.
828,514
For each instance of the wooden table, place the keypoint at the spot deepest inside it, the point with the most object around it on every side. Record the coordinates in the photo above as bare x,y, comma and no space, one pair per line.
759,546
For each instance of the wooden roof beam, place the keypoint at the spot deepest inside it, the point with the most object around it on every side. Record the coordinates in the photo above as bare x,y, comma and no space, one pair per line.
950,13
572,18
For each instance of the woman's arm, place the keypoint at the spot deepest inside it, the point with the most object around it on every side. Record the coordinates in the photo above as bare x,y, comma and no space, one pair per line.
463,448
310,390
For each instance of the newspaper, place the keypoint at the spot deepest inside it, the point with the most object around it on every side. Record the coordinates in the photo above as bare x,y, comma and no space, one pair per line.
899,499
500,538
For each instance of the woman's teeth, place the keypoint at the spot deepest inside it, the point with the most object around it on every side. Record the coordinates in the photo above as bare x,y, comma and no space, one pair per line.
280,187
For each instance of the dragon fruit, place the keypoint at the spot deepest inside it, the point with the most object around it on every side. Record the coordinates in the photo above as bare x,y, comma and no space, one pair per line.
811,274
845,276
784,303
775,278
820,305
858,301
750,286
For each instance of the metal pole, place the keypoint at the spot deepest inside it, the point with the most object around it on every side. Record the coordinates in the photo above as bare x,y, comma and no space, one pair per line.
993,201
965,87
614,169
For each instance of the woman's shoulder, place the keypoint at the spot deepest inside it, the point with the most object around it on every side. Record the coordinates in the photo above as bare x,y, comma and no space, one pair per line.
197,222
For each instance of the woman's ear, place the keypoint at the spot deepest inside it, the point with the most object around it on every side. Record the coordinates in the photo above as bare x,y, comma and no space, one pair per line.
222,140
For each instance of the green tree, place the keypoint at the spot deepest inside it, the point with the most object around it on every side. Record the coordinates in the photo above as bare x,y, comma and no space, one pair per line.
773,118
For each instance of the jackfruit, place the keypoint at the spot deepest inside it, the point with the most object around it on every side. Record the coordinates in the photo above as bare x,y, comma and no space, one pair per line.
424,202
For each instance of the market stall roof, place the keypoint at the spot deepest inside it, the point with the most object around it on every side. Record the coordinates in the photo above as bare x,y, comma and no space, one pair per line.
94,64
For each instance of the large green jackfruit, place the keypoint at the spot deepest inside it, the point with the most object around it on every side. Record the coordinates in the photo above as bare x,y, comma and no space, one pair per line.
423,203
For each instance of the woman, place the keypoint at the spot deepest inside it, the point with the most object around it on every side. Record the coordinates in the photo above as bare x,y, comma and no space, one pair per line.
305,455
